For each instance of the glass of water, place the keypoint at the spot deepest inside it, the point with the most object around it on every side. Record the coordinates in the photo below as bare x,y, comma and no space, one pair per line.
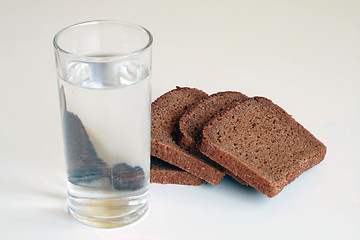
103,72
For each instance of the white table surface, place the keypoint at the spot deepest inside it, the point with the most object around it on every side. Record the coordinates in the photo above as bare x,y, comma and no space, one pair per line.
304,55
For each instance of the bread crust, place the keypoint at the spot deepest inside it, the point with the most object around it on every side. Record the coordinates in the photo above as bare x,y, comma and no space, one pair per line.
187,162
164,173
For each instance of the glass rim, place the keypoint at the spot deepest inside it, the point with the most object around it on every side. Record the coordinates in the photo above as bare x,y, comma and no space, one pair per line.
132,53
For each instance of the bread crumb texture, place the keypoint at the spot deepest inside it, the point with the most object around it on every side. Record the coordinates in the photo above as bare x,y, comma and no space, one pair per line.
259,142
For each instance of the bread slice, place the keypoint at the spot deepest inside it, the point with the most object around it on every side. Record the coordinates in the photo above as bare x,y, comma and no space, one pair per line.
194,119
259,142
165,173
165,114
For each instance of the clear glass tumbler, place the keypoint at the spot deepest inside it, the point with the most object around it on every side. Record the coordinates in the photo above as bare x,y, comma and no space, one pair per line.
103,72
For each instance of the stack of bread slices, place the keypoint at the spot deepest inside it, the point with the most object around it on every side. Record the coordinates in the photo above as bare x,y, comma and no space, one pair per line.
196,137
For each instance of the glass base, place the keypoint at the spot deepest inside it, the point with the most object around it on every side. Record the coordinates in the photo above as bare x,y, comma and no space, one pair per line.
108,213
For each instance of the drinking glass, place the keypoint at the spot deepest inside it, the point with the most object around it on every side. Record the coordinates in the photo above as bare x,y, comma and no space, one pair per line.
103,73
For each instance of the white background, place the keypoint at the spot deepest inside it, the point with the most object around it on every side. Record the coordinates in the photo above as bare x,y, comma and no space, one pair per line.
304,55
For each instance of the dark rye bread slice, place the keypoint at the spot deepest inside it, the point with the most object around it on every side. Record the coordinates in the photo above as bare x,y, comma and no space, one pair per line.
165,114
165,173
259,142
193,120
